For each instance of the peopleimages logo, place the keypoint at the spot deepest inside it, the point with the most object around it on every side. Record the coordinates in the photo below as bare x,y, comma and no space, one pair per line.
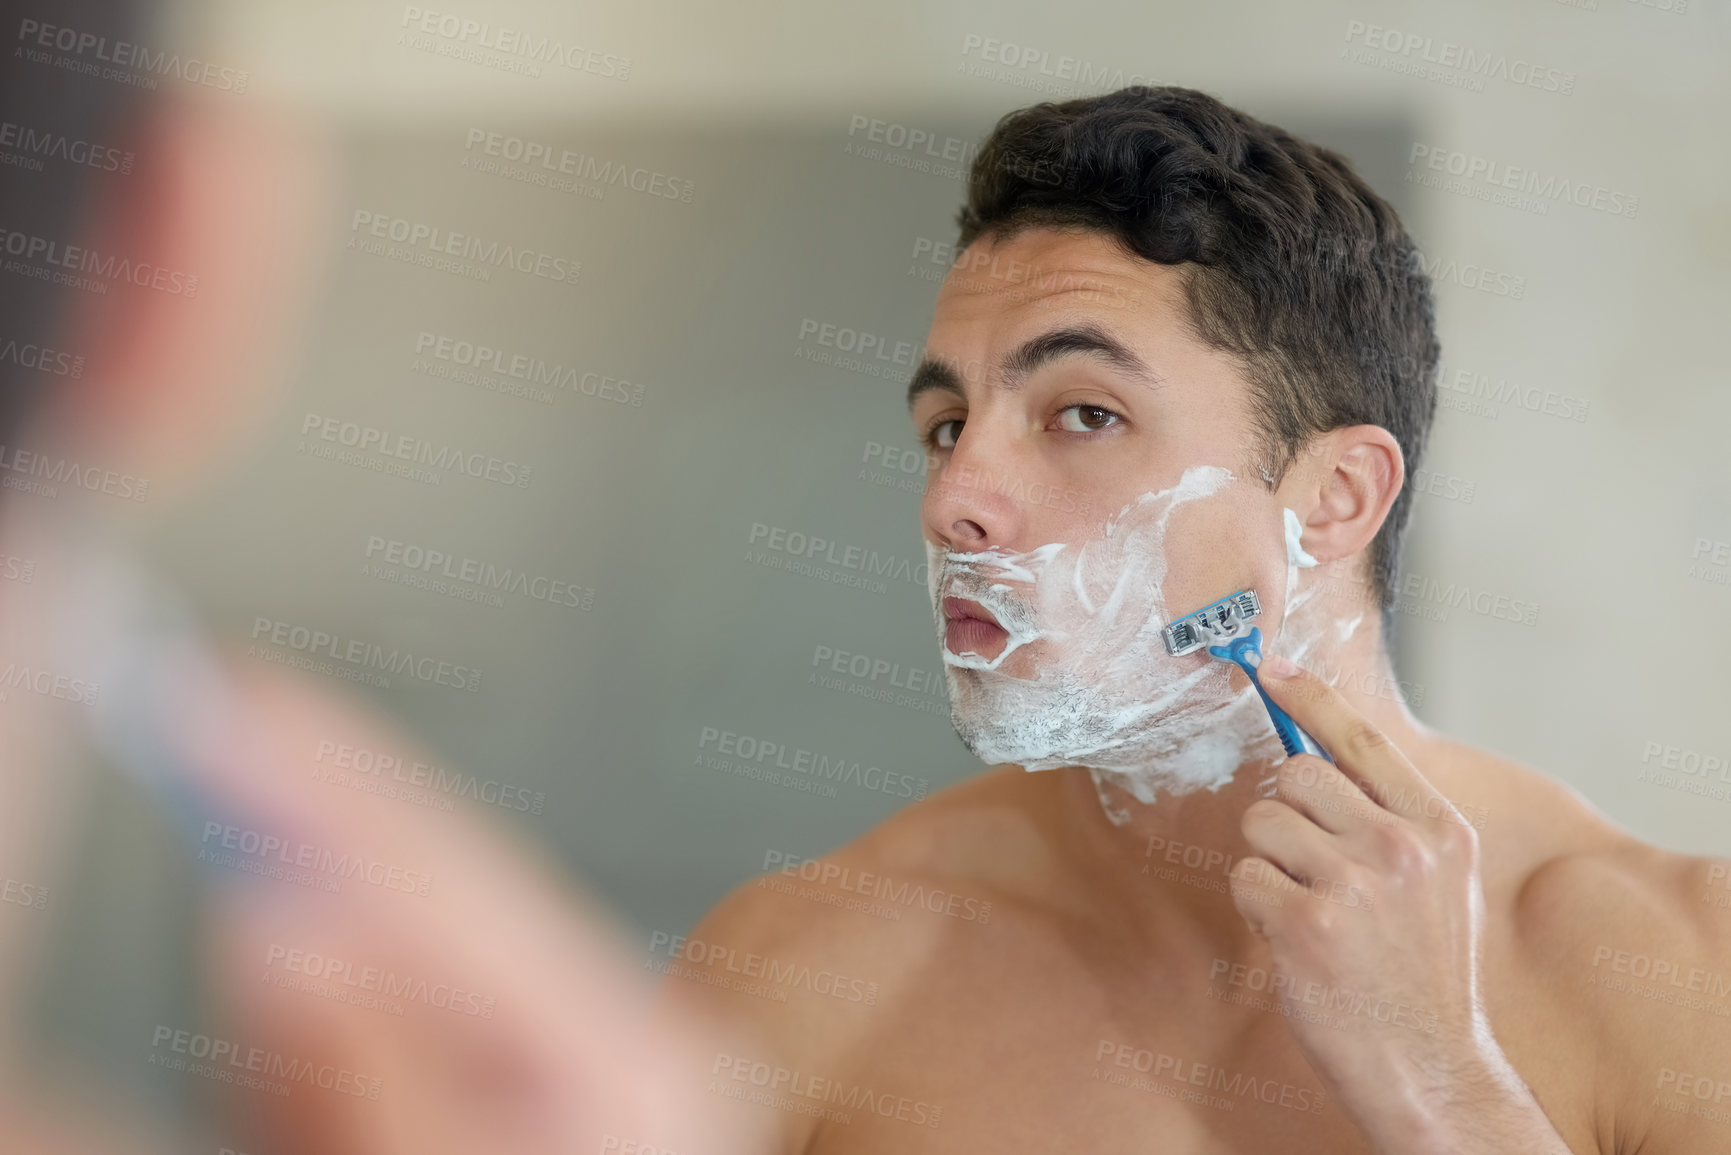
1448,59
363,654
38,144
527,368
256,848
343,974
807,547
224,1059
33,35
801,1092
758,753
371,439
533,154
721,958
45,472
480,36
1039,70
41,358
346,765
1418,593
432,241
47,683
107,267
1550,187
468,571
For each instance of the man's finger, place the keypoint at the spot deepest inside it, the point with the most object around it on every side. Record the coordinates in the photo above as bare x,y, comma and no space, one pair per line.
1290,840
1325,794
1363,752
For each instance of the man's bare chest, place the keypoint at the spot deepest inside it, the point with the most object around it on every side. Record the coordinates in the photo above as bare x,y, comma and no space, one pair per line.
1196,1057
1019,1062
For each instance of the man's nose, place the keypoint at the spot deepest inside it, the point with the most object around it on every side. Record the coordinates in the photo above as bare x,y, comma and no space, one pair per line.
969,534
967,501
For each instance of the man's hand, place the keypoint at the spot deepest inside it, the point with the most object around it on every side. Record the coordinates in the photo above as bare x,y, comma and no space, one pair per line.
1365,884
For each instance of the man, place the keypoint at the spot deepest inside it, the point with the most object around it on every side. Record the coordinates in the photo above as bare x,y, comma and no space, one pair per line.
1212,343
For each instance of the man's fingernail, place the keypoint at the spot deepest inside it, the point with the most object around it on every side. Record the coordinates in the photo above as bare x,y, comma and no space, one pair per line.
1275,666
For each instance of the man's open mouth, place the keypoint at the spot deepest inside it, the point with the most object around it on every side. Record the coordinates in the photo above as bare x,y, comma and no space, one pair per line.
971,628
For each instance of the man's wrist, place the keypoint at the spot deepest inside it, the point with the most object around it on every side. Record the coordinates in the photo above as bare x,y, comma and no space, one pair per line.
1476,1105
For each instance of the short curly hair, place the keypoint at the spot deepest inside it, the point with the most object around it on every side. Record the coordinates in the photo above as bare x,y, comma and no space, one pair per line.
1290,262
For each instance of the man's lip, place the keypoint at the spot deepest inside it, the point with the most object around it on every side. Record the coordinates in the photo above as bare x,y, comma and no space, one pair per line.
956,608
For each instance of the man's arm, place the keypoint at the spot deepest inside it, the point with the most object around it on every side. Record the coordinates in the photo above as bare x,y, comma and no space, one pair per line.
1387,906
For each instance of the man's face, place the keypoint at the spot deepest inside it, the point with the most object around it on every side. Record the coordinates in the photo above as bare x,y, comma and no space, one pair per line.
1085,490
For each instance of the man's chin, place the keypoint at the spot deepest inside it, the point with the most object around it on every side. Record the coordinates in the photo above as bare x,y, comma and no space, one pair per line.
1192,743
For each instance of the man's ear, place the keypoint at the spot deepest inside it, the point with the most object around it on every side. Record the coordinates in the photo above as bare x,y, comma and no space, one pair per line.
1342,486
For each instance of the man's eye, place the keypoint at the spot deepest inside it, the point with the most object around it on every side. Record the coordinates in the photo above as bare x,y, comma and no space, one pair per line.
1088,418
942,436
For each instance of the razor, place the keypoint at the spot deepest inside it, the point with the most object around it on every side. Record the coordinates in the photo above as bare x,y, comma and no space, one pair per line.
1225,629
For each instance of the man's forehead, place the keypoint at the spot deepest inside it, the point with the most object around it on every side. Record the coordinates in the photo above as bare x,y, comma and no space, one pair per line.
997,293
1040,267
984,321
1007,308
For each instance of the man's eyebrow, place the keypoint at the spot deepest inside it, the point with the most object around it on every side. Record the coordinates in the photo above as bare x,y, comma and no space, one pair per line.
1087,340
933,374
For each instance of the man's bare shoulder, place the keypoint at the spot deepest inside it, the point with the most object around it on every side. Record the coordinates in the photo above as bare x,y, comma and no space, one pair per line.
1633,946
1567,870
1627,908
805,965
882,907
1622,946
958,853
1566,865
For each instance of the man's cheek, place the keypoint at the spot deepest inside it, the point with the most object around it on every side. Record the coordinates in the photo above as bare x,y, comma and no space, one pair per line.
1210,555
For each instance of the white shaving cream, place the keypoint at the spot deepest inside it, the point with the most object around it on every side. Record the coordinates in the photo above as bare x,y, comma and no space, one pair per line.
1295,554
1105,694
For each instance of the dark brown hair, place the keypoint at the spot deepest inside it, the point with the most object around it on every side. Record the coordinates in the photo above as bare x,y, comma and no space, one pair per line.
1291,263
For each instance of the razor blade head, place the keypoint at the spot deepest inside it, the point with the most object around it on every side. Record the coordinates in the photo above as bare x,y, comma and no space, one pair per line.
1212,625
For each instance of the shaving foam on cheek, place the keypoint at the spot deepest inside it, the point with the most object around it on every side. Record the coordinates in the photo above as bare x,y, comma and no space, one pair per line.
1103,692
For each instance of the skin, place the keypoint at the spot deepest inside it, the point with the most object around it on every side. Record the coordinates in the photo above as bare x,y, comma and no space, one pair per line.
1065,975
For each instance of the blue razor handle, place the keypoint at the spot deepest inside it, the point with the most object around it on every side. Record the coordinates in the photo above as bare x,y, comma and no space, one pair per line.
1245,651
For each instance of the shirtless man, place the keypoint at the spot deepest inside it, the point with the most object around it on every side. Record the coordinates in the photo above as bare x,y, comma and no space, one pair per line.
1177,322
